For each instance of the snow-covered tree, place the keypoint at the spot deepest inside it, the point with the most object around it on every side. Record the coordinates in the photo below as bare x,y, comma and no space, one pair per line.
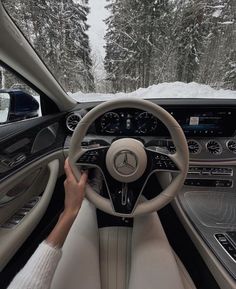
219,43
135,35
230,71
2,77
147,42
189,36
58,31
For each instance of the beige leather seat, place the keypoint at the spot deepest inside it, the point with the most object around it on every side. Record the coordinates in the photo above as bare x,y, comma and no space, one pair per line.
119,257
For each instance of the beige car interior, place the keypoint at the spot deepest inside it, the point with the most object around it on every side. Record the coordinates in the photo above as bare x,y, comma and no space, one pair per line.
118,257
112,257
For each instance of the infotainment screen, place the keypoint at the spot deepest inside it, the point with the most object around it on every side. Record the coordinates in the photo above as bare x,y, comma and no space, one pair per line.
206,122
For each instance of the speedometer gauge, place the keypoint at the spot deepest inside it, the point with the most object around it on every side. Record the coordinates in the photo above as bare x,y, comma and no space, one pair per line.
145,122
110,122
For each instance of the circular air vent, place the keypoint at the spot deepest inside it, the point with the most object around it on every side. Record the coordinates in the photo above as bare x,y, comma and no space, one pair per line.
194,147
72,120
214,147
231,145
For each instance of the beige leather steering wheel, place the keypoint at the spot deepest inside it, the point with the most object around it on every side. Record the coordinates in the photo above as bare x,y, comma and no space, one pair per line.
126,164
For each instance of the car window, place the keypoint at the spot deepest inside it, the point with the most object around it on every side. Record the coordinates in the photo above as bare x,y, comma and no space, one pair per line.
113,46
18,101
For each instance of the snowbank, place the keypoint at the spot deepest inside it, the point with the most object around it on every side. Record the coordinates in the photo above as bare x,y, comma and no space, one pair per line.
162,90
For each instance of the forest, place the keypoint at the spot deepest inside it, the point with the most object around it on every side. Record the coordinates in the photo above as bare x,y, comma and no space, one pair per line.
147,42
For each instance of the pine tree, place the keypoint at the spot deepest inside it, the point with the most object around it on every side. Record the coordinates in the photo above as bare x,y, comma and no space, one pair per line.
190,35
218,44
230,71
133,42
119,46
58,32
147,42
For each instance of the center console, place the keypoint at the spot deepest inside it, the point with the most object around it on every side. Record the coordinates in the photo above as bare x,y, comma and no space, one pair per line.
207,203
208,200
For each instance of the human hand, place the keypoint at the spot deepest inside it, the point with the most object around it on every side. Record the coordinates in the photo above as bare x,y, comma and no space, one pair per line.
74,190
74,194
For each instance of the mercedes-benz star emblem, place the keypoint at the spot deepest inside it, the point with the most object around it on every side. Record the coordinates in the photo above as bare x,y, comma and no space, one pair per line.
126,162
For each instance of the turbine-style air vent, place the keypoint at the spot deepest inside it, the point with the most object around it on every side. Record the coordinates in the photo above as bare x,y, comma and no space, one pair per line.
214,147
72,120
194,147
231,145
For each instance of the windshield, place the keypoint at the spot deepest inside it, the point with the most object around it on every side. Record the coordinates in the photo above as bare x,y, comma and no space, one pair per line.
146,48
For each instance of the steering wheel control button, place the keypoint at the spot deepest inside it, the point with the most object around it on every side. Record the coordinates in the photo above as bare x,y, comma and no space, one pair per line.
88,158
126,160
93,156
164,162
160,161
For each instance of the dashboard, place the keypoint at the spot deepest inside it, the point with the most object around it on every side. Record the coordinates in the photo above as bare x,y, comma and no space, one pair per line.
210,130
195,121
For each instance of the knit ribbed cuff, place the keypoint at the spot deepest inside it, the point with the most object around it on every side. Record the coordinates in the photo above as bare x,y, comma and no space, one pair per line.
39,270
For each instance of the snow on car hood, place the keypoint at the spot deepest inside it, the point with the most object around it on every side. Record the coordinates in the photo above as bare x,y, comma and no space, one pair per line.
162,90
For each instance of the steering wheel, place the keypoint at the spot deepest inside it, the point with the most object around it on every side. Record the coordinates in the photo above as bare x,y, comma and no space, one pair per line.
126,164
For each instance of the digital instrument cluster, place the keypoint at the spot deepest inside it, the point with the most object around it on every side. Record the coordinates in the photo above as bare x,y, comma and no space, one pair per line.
127,122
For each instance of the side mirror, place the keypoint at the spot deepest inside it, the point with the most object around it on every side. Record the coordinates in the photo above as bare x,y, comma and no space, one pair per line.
17,105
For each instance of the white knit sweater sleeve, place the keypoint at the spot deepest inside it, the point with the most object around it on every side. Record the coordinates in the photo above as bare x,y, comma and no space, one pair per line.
39,270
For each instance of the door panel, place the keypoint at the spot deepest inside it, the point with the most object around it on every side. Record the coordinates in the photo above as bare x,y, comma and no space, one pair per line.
23,142
31,160
12,238
7,196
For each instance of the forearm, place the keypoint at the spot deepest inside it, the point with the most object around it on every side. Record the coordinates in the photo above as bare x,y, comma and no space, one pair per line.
59,233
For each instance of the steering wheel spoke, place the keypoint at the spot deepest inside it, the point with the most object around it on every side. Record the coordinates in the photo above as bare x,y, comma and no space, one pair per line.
124,196
161,160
